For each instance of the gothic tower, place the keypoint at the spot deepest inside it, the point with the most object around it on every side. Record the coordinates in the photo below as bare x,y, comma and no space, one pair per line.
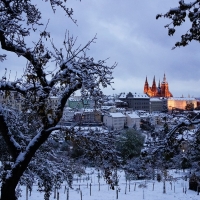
154,88
146,86
165,88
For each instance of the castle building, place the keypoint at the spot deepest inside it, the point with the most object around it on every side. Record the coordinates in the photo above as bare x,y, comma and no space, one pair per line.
161,91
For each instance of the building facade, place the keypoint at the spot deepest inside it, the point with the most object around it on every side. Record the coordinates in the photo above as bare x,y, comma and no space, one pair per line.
132,120
114,121
180,102
136,101
158,104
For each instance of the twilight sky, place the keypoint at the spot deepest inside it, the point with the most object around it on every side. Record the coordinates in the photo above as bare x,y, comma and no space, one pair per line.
129,34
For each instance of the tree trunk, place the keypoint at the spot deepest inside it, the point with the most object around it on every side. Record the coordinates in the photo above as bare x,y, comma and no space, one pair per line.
8,190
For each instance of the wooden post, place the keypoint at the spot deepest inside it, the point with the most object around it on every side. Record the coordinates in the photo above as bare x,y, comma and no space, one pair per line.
153,186
164,187
57,195
99,186
116,193
26,192
54,192
65,189
90,189
67,193
81,194
135,187
30,190
129,187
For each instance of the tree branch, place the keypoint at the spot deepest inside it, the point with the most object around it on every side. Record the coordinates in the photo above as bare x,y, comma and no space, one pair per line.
13,146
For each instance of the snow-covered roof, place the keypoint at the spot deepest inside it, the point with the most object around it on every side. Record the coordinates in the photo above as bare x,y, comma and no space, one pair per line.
122,96
132,115
90,110
72,99
121,109
155,99
54,97
135,95
107,107
119,101
138,95
118,114
182,98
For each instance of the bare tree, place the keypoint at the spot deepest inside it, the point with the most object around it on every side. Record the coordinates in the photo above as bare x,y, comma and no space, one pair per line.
178,16
74,70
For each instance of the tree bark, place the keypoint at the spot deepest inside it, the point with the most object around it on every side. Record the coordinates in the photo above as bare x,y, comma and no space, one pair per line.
8,189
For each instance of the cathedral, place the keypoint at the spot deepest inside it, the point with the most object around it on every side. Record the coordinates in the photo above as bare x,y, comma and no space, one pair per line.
161,91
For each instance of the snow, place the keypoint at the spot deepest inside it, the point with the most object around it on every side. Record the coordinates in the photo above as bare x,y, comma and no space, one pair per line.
152,191
133,115
116,114
182,98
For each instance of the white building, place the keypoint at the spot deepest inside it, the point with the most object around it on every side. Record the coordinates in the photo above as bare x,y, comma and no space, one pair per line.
114,121
133,120
180,102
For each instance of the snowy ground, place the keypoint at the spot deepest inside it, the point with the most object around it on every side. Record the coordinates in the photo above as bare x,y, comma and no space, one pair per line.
153,191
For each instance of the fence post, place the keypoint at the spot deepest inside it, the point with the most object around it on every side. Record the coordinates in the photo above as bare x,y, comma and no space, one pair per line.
81,194
57,195
67,193
54,192
65,189
26,192
90,189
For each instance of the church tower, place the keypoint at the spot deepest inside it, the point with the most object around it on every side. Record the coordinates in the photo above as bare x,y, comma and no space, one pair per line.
154,88
146,86
165,88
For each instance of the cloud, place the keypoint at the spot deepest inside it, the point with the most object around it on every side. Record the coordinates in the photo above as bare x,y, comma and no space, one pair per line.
128,33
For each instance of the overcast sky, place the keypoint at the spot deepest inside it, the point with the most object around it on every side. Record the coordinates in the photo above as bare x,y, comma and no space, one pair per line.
129,34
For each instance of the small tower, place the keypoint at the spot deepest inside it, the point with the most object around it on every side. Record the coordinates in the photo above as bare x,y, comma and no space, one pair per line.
159,84
165,88
146,86
154,88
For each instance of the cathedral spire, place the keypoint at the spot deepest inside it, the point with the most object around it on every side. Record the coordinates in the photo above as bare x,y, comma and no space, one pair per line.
164,78
159,84
154,88
146,86
154,82
146,80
